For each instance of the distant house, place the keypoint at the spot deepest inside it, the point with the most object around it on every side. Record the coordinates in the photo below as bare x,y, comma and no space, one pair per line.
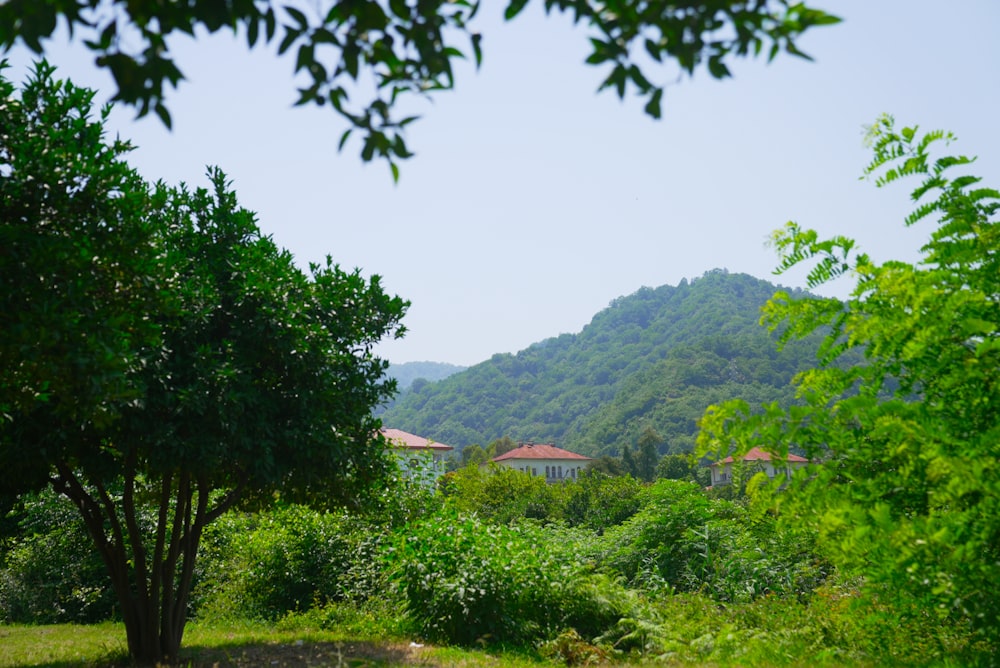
722,472
418,457
540,459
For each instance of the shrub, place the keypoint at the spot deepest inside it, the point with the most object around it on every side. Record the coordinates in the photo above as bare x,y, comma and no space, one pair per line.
504,495
467,581
286,559
683,541
657,536
598,501
45,575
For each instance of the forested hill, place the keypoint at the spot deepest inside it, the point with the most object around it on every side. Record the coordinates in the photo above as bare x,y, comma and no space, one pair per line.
656,359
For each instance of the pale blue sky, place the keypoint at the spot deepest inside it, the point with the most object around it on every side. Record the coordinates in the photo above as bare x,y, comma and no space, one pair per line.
533,202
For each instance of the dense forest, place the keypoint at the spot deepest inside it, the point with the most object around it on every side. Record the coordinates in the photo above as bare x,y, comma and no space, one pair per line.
655,360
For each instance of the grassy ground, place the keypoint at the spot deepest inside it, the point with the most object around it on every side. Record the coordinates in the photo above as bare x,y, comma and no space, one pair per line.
103,645
768,633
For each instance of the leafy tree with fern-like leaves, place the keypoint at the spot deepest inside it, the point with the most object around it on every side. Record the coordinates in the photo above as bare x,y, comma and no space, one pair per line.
908,490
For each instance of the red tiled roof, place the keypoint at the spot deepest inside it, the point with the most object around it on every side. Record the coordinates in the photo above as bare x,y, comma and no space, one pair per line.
756,454
539,451
402,439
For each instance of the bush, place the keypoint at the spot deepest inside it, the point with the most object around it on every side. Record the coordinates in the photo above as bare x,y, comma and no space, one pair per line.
503,495
683,541
598,501
467,581
656,538
286,559
49,571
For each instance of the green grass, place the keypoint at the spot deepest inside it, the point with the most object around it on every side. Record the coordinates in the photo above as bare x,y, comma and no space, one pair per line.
62,645
238,644
834,629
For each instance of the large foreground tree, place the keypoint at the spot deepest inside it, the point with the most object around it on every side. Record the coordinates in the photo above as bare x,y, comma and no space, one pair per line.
907,491
161,361
406,47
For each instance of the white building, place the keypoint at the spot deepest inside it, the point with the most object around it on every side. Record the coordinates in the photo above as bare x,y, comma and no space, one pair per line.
540,459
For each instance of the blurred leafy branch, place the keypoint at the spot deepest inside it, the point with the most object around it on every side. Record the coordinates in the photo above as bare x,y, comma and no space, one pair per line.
403,47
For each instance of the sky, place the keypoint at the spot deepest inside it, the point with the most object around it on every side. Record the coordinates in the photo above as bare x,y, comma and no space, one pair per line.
533,201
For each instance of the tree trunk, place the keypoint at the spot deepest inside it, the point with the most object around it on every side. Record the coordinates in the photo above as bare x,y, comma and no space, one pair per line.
152,595
152,590
152,634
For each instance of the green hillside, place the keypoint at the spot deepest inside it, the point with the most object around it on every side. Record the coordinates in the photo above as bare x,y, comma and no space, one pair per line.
656,358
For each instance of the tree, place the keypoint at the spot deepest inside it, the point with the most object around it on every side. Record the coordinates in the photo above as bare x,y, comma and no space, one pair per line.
405,48
675,467
502,446
73,295
908,493
76,256
629,464
474,455
607,465
241,378
649,456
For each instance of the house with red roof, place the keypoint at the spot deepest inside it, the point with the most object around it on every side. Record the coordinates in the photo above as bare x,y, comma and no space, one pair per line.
418,457
556,464
722,471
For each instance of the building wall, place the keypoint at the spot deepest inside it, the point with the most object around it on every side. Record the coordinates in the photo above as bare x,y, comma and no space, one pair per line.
553,470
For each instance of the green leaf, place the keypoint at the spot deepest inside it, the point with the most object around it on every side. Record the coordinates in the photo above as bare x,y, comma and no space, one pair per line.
477,49
717,68
816,17
654,50
271,23
653,106
297,16
305,57
164,115
794,50
343,139
323,36
291,35
514,8
253,32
